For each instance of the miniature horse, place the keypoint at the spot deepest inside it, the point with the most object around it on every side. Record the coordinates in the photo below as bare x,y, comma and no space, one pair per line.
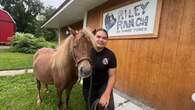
62,67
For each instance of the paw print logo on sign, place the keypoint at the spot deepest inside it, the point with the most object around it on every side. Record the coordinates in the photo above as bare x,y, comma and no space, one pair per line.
110,21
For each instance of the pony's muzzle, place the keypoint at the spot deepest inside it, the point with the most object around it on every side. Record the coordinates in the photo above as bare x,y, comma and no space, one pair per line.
85,72
85,69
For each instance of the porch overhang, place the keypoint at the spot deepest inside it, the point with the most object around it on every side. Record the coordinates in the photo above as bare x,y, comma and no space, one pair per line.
71,11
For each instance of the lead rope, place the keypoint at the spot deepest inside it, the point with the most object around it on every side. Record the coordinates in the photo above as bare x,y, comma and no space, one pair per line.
95,103
90,90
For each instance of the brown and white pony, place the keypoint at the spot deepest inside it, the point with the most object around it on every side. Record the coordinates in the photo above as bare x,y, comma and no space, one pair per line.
62,67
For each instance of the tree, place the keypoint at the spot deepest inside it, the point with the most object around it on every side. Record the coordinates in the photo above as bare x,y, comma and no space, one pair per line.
48,11
24,12
48,34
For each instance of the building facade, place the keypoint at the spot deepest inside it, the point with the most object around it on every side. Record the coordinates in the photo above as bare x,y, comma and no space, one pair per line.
156,67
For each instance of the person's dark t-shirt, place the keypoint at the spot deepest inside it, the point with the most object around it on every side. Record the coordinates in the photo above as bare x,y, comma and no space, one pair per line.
101,61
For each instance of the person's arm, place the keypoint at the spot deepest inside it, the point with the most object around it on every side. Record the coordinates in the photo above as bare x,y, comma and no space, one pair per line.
104,99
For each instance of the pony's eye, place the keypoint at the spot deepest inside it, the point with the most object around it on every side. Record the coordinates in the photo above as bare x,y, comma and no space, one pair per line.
75,46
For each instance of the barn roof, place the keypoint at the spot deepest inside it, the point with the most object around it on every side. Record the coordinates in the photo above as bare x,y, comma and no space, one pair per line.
5,16
71,11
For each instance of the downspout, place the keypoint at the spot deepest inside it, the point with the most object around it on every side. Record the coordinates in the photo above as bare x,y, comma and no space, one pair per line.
58,35
85,20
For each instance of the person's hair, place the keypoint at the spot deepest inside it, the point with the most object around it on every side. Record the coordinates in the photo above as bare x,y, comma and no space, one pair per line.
100,29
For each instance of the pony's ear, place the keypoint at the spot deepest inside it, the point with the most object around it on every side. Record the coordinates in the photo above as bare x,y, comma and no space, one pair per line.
73,32
94,31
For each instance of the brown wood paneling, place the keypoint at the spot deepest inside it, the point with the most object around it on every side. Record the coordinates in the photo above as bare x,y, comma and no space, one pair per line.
93,15
161,71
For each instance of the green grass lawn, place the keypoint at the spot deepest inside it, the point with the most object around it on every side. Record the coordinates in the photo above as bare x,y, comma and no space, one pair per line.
12,60
19,93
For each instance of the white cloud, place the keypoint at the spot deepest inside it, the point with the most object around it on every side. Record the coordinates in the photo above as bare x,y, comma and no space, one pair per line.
54,3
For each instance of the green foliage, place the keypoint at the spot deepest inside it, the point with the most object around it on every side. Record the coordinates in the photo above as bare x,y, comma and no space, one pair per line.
48,34
29,15
48,11
24,13
27,43
19,93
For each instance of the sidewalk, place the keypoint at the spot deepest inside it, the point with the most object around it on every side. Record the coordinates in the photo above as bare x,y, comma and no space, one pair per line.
4,47
124,104
121,103
15,72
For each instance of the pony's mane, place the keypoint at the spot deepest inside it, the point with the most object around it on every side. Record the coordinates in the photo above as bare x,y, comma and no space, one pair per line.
90,36
62,54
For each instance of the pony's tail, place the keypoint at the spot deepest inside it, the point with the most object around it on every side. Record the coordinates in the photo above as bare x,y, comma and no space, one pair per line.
35,57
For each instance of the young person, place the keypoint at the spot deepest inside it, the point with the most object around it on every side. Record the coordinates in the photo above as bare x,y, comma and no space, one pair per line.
103,75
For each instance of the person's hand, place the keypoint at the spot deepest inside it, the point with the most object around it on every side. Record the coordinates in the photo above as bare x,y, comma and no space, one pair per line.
104,100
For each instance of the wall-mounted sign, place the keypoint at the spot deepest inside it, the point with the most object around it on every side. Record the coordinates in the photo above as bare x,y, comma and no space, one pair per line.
133,19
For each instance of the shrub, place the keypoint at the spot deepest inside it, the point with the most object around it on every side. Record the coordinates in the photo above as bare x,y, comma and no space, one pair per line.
27,43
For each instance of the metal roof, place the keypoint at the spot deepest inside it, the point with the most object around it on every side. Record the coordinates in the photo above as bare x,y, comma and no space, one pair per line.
8,15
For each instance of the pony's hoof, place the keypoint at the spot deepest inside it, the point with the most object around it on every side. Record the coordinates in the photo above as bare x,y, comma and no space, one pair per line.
38,102
47,91
67,108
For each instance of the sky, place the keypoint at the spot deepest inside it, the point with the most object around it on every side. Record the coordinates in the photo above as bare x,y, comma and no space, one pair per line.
54,3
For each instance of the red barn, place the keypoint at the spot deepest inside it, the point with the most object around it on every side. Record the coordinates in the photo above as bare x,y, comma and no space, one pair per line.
7,27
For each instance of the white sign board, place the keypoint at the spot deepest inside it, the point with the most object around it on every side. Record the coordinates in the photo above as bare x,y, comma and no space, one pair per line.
133,19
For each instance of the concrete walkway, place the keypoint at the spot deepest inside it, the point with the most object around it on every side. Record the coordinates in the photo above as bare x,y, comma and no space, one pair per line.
15,72
124,104
4,47
121,103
